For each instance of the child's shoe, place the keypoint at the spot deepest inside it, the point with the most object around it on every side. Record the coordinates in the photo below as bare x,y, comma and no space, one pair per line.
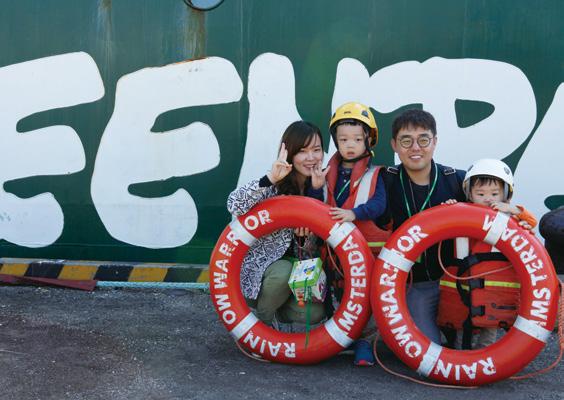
363,355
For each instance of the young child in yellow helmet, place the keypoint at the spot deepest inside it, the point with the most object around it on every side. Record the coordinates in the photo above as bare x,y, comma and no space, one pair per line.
354,189
489,182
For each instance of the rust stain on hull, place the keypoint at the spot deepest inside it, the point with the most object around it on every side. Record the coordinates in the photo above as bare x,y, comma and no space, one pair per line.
195,34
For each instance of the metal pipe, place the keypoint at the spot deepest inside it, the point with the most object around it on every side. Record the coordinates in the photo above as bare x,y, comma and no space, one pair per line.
154,285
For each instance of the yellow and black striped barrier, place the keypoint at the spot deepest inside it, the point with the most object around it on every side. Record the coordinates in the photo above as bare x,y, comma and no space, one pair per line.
104,271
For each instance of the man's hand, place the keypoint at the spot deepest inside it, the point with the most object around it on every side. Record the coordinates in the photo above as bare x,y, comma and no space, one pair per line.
342,215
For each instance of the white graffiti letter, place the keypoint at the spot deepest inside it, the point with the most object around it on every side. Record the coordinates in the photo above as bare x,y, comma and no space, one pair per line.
541,160
28,88
436,84
272,107
130,153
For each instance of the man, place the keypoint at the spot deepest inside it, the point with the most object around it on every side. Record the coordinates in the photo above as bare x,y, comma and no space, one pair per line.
417,184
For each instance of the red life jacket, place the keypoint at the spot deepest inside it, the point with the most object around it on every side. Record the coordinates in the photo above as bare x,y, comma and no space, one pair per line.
492,301
364,179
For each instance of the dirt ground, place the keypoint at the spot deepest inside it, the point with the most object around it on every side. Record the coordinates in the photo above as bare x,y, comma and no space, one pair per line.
169,344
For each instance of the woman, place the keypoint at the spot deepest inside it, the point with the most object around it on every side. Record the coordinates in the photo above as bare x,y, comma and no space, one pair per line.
265,270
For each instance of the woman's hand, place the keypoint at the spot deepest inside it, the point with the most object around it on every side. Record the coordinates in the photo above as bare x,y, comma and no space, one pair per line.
301,232
318,176
342,215
280,167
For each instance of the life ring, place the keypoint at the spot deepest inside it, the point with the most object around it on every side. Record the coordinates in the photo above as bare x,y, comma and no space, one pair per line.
326,340
537,309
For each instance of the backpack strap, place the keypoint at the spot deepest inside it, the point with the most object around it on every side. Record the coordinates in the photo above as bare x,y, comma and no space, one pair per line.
388,174
454,184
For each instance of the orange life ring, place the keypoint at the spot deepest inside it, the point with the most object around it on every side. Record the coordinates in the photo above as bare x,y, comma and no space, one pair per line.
225,267
537,309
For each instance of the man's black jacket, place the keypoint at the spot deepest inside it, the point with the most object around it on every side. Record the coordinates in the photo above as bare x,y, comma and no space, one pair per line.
448,186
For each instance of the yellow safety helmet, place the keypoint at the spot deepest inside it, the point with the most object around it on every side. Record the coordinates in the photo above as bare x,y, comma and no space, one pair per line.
359,112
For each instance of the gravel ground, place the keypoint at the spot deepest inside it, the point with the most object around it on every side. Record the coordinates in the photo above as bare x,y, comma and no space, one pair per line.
151,344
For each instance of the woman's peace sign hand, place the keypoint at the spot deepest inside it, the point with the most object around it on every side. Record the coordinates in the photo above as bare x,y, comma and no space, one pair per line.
318,176
280,167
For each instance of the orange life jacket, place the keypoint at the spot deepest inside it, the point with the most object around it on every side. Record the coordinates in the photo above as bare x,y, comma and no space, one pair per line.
364,179
489,301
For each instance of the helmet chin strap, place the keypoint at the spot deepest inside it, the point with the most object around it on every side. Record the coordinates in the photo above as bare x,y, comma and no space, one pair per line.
367,154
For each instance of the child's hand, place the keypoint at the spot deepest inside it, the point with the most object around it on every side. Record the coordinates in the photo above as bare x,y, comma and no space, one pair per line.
318,176
499,206
525,225
342,215
280,167
504,207
450,201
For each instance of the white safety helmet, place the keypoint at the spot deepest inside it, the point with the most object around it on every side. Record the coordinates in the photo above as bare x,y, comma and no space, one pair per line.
492,168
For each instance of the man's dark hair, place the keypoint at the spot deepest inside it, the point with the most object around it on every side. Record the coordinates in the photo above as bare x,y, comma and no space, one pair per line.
414,118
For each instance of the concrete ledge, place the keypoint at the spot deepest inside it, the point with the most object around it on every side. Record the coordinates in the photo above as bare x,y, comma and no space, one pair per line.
104,270
109,270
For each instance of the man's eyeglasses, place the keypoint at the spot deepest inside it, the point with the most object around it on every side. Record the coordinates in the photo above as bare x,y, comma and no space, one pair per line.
422,141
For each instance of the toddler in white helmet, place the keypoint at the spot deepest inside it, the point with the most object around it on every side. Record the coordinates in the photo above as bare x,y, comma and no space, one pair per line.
489,182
